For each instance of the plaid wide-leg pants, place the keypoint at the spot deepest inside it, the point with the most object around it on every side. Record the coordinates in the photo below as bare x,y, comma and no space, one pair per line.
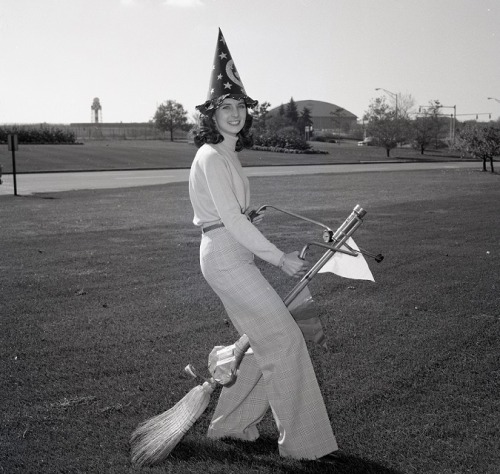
280,374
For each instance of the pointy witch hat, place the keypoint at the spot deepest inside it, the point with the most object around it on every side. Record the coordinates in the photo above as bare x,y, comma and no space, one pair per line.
225,81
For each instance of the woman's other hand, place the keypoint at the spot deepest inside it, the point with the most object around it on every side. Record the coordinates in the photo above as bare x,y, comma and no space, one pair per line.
256,217
293,266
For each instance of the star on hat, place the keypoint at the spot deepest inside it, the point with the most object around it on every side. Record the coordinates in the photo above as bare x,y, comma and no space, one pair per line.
224,81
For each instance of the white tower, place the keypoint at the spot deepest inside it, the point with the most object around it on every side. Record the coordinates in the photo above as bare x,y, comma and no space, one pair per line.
96,111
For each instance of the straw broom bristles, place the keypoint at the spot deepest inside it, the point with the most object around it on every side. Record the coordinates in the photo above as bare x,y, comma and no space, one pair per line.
154,439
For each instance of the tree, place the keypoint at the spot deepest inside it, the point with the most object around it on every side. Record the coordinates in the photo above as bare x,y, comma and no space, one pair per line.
171,116
481,141
405,105
275,123
385,126
260,117
304,120
292,113
425,129
434,112
337,119
434,107
196,119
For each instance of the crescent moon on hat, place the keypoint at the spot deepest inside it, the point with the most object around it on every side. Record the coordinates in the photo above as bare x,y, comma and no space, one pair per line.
234,76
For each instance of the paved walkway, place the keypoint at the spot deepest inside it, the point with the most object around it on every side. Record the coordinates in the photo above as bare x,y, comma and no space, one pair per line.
55,182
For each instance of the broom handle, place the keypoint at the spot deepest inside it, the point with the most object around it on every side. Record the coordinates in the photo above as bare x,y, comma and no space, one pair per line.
342,234
240,347
346,229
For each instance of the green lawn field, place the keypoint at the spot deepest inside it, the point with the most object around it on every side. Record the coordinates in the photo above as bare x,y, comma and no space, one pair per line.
154,154
102,304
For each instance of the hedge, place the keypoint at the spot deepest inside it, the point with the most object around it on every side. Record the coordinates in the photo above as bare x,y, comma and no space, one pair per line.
287,138
40,135
277,149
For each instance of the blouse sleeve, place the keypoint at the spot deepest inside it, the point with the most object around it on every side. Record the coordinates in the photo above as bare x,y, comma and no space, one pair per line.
219,182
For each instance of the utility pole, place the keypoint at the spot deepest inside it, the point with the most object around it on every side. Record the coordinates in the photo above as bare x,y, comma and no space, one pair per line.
454,127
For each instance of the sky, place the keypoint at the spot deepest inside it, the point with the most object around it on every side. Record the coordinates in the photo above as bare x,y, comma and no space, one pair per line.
58,55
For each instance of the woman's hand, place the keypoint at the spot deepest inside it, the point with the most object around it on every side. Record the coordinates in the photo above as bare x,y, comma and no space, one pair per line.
293,266
256,217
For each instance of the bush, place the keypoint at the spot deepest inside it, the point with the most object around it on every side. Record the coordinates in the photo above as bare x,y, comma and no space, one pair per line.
276,149
323,137
44,134
319,138
287,138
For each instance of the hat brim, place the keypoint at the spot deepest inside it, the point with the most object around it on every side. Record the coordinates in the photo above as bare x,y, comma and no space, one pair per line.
212,104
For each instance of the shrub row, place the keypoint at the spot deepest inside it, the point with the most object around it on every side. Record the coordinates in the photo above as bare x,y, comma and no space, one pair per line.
276,149
39,135
323,139
287,138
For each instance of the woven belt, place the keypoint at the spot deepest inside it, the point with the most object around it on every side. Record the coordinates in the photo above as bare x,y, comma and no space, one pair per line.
204,230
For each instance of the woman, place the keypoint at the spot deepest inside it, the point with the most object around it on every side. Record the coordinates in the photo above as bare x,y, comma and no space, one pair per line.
279,375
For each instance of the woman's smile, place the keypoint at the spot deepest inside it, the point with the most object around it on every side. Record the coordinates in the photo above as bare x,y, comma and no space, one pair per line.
230,116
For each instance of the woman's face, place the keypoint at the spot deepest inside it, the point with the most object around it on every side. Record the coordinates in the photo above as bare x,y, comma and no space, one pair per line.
230,116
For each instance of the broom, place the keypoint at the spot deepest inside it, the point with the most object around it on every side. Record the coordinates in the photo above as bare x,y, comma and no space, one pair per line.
154,439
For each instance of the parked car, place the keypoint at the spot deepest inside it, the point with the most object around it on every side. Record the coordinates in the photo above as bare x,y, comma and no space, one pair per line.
368,141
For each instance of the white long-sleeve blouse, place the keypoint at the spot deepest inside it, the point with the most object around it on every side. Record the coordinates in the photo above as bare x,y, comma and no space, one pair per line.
219,191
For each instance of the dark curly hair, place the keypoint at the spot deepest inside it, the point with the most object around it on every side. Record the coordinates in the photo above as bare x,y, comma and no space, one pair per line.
208,133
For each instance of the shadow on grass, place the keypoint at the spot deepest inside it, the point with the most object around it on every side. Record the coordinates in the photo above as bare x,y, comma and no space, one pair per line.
246,457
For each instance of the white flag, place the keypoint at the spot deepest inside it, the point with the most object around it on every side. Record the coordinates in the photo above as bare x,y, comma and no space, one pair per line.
348,266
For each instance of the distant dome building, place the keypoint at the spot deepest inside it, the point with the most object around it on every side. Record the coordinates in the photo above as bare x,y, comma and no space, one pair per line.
326,117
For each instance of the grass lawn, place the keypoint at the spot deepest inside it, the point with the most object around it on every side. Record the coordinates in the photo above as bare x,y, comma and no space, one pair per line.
102,305
154,154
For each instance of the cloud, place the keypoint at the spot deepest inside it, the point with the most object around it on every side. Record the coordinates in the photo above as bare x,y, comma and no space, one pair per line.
184,3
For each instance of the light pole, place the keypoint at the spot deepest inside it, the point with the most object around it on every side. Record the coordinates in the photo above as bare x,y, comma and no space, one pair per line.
392,94
454,128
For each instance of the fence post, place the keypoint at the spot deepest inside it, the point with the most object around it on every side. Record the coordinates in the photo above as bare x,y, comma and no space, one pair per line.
13,146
